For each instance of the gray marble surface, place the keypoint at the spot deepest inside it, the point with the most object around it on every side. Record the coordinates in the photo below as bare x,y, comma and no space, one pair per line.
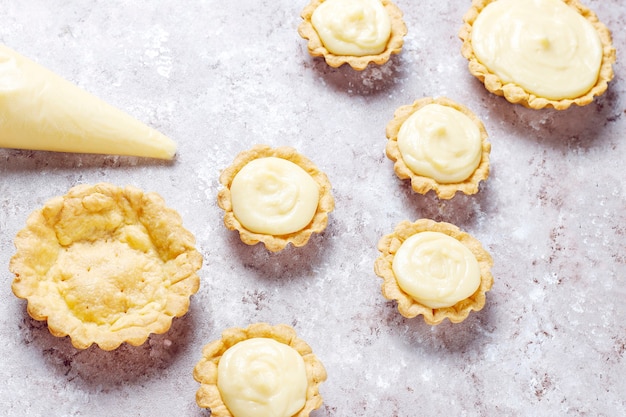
219,77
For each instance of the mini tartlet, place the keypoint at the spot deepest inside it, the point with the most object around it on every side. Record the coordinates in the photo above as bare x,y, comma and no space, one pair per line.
275,196
439,138
433,264
350,16
105,265
546,49
254,392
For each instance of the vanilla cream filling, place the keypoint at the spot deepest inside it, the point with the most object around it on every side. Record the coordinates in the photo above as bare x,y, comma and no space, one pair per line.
274,196
544,46
352,27
263,378
440,142
436,269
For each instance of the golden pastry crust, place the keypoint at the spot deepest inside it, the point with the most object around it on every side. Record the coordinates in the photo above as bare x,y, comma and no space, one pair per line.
106,265
317,49
516,94
205,371
422,184
409,307
275,243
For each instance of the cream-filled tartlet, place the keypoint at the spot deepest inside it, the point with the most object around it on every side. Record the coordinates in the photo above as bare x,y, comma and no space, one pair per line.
434,269
538,53
105,265
275,196
264,371
355,32
439,145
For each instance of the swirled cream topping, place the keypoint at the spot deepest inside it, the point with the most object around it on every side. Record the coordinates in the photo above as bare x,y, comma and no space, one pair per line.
436,269
274,196
440,142
352,27
544,46
263,378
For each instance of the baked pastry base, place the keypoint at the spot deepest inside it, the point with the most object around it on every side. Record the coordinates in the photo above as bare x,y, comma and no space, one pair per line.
275,243
317,49
105,265
205,371
422,184
409,307
516,94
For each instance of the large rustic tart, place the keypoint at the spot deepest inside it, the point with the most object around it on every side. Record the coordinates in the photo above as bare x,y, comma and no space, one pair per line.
106,265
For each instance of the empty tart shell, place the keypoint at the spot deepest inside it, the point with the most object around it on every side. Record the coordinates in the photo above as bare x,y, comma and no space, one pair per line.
407,305
276,243
105,265
518,95
422,184
316,47
206,370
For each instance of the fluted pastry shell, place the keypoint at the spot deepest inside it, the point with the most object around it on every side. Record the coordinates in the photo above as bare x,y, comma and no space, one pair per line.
205,371
276,243
515,93
316,47
409,307
422,184
105,265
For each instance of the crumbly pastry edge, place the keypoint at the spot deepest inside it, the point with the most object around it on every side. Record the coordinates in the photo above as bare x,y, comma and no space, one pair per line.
276,243
316,47
82,335
421,184
409,307
516,94
205,371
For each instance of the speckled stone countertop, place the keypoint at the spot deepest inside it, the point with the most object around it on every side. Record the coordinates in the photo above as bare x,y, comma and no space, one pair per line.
218,77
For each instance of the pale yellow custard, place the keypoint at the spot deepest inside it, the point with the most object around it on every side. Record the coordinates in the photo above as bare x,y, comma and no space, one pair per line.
263,378
273,195
440,142
544,46
436,269
352,27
